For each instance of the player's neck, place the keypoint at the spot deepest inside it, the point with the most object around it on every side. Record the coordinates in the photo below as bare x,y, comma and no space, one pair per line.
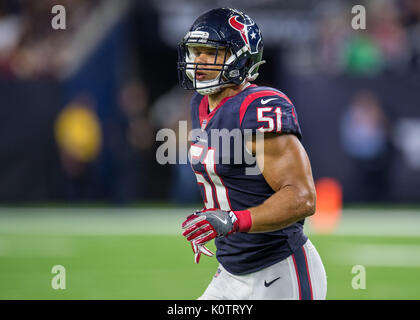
214,99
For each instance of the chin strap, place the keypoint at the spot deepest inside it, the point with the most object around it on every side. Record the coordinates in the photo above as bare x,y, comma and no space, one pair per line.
255,76
215,89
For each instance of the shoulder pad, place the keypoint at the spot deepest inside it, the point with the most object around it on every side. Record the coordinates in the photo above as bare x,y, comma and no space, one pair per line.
269,111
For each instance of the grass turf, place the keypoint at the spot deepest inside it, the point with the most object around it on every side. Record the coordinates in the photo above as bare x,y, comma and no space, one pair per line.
161,267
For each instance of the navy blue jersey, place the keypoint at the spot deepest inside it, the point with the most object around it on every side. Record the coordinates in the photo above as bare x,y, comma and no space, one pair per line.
223,180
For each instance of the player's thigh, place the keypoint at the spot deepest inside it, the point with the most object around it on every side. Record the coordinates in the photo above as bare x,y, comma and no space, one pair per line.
317,272
275,282
226,286
301,276
216,289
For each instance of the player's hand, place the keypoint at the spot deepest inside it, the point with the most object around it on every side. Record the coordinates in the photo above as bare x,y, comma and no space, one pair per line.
203,226
200,249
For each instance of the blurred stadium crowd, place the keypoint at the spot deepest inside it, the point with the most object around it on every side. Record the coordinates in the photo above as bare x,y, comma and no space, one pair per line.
81,106
28,47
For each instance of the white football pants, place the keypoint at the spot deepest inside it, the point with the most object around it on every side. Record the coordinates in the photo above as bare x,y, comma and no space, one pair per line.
301,276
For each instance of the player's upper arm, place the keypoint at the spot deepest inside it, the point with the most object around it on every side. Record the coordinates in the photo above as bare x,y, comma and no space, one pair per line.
286,168
284,162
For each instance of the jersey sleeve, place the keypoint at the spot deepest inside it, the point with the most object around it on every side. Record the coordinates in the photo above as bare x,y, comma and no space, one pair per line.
269,113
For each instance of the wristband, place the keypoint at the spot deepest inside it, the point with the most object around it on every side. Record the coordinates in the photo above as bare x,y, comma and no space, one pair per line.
244,220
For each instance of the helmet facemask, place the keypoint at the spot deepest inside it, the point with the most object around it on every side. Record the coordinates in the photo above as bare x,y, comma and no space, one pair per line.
236,66
188,68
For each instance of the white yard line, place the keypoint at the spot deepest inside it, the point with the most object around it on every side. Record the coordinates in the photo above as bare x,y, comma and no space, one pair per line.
368,222
91,221
134,221
377,255
37,248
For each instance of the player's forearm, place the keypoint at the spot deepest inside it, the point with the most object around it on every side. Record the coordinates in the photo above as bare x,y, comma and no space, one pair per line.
287,206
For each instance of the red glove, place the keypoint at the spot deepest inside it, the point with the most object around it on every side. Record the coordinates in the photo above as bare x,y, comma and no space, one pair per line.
200,249
203,226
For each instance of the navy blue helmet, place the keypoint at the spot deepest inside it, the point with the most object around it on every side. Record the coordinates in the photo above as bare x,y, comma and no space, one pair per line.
241,40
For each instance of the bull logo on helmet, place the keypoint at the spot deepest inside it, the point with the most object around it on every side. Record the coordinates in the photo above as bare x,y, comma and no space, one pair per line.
250,33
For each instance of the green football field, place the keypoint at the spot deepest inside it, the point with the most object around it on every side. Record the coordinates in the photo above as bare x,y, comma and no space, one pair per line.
139,253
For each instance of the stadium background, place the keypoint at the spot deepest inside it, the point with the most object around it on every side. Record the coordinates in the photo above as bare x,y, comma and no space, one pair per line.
79,112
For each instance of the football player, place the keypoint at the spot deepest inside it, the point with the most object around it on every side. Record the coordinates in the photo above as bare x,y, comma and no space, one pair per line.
256,219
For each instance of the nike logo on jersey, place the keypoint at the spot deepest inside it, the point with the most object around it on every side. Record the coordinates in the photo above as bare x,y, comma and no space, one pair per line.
267,284
267,101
